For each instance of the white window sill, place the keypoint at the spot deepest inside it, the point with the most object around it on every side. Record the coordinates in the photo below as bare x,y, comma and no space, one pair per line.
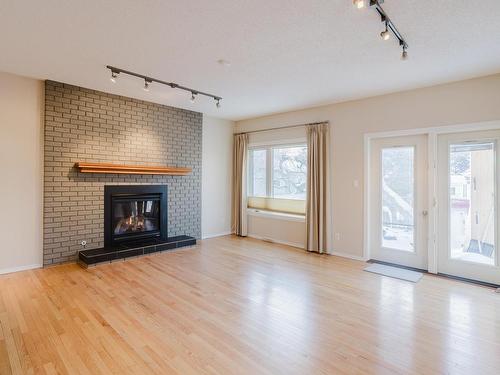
275,215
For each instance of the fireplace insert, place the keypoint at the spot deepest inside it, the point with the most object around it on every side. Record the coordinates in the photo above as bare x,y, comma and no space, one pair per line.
134,213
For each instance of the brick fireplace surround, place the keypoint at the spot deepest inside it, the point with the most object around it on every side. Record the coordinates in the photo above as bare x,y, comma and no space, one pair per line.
83,125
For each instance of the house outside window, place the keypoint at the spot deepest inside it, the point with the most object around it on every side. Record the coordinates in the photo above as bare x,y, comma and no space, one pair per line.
277,178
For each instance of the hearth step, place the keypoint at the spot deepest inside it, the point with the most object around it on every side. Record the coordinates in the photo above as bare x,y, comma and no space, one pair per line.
93,256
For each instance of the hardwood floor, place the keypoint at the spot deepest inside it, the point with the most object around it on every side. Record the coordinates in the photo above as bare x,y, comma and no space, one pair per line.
243,306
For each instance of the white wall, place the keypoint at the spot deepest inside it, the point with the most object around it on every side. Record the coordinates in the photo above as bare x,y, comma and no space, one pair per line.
21,161
287,230
216,176
467,101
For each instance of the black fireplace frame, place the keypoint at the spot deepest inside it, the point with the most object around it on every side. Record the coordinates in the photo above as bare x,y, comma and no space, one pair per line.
122,191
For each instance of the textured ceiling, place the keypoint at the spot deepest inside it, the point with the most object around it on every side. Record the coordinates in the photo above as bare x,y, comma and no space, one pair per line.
285,54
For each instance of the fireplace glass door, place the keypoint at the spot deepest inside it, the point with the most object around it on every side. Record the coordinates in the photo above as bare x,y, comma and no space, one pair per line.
135,217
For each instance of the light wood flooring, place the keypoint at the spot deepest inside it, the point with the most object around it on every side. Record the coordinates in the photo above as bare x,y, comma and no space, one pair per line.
243,306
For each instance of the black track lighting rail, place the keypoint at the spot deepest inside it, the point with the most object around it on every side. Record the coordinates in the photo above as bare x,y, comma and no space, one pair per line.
115,71
390,25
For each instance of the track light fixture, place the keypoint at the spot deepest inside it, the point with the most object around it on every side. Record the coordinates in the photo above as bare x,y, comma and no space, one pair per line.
389,25
114,75
193,97
359,3
146,84
404,54
385,34
148,80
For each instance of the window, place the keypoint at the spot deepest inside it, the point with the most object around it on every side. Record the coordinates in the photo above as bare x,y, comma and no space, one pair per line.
472,213
398,198
289,172
258,164
278,178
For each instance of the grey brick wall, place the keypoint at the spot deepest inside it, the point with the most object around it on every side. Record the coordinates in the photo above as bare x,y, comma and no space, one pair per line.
92,126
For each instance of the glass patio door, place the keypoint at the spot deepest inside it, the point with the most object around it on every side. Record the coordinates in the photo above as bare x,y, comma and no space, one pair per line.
398,201
468,205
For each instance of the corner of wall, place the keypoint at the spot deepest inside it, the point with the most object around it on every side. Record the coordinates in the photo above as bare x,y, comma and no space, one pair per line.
216,176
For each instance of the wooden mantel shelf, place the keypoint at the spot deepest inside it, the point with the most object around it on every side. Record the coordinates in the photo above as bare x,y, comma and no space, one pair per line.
130,169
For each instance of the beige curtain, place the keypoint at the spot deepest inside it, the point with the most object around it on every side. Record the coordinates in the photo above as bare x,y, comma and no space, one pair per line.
317,202
240,152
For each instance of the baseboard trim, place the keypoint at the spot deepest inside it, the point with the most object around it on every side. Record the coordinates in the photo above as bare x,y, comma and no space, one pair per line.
348,256
292,244
216,235
20,268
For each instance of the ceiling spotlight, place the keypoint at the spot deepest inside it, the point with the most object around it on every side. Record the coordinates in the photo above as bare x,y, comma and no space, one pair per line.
114,76
193,97
217,103
359,3
404,55
385,34
146,84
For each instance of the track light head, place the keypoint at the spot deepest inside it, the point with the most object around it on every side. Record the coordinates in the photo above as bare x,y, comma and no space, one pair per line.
217,103
114,76
385,35
193,97
404,54
359,3
146,84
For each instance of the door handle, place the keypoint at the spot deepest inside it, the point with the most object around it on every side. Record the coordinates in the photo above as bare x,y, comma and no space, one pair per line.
425,212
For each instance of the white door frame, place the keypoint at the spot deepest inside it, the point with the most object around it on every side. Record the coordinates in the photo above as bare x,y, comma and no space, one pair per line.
432,133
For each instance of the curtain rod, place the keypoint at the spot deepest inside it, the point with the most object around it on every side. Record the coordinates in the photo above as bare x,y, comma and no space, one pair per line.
282,127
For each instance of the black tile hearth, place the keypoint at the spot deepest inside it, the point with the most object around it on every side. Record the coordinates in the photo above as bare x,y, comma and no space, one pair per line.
107,254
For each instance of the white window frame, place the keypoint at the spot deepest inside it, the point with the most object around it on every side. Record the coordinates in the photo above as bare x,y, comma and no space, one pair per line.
269,165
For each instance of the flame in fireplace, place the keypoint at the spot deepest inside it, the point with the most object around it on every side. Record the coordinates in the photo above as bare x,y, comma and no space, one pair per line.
135,216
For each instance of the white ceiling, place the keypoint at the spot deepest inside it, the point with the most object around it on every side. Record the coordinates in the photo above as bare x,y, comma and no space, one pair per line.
285,54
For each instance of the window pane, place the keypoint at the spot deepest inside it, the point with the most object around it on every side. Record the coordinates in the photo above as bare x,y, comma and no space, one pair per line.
258,173
290,172
398,198
472,202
